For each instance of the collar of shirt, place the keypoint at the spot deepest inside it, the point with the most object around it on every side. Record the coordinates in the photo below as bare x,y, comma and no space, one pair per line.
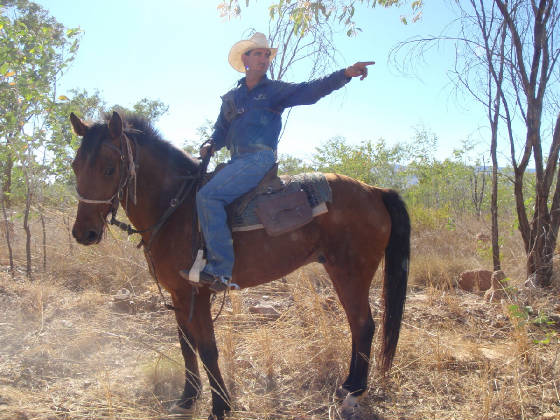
264,81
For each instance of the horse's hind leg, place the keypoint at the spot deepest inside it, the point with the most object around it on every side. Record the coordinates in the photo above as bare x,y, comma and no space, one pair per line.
352,287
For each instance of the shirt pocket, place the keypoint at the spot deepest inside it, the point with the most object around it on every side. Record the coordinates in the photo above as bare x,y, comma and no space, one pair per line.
230,109
259,117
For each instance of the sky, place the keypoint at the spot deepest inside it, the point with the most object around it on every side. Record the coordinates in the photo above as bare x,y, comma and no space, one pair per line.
176,51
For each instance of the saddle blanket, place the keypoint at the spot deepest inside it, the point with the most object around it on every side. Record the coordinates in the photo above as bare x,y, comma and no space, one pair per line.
314,184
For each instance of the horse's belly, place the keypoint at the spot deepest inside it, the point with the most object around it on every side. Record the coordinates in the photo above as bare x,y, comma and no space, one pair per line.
260,258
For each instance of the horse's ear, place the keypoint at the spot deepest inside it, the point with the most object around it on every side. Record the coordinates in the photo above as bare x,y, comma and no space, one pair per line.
79,127
115,125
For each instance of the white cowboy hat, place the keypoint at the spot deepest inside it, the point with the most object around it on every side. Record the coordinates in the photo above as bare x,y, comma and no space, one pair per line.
258,40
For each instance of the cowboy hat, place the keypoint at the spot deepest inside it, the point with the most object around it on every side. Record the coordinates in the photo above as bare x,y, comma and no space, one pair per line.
258,40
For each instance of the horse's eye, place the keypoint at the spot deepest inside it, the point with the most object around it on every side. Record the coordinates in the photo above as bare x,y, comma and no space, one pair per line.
109,171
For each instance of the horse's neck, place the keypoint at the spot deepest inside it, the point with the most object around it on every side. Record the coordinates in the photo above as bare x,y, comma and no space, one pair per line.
156,186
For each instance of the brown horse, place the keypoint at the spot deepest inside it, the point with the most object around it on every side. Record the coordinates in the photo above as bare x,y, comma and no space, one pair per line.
128,163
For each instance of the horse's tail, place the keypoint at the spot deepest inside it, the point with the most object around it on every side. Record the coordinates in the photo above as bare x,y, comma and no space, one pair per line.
397,256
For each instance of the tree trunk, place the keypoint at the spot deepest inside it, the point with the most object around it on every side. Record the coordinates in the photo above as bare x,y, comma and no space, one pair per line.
542,245
69,231
44,240
478,190
8,233
494,118
494,196
494,214
7,177
26,225
28,268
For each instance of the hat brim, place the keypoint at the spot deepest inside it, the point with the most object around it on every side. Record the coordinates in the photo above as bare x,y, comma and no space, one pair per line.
240,48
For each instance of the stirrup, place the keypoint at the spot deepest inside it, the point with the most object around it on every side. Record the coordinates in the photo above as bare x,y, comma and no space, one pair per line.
217,283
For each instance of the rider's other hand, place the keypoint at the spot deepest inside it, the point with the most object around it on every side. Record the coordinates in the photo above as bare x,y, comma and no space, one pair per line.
206,149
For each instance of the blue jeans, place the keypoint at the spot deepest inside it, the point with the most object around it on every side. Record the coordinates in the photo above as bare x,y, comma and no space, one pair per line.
240,175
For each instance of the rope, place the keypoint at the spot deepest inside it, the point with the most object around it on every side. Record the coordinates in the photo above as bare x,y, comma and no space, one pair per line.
222,306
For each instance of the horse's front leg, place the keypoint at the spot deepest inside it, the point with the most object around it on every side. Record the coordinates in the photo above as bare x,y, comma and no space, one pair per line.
208,352
193,387
187,340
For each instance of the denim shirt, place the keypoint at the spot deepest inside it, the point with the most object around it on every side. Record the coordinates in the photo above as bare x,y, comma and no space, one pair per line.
254,117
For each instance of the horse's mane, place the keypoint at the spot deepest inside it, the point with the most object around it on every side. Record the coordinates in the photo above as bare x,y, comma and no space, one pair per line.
143,133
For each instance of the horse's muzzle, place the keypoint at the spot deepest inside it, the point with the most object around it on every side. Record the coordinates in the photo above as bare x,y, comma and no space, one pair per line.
87,236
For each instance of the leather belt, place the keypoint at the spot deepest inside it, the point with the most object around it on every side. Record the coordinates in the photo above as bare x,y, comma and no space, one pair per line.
250,148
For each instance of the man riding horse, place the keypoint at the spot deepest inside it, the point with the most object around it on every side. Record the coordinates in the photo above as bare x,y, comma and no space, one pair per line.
249,124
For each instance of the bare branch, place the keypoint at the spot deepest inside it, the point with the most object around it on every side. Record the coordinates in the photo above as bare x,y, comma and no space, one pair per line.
555,213
517,43
552,161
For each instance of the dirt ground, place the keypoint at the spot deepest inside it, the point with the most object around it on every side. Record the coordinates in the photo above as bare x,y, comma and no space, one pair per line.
68,354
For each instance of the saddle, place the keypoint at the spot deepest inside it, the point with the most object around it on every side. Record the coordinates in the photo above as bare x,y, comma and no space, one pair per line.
279,204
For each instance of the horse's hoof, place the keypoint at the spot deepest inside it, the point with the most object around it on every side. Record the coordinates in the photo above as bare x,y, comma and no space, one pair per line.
178,412
340,393
350,408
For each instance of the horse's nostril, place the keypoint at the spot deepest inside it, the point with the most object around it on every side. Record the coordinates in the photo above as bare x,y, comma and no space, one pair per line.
91,236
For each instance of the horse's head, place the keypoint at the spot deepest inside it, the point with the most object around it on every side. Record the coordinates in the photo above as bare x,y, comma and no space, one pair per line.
101,175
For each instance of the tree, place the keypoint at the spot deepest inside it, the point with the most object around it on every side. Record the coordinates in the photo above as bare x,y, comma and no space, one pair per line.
151,109
193,146
306,13
482,29
289,165
62,142
533,31
34,50
479,71
372,163
433,184
59,147
315,45
508,54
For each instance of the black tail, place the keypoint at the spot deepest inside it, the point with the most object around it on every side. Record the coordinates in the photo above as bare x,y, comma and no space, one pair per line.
397,256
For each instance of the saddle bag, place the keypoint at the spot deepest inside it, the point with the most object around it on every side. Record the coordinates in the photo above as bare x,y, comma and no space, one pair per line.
283,212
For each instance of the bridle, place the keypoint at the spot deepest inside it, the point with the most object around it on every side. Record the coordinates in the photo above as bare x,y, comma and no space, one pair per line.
126,175
127,189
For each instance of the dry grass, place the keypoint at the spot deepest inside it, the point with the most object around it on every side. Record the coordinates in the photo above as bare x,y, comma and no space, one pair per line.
67,350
